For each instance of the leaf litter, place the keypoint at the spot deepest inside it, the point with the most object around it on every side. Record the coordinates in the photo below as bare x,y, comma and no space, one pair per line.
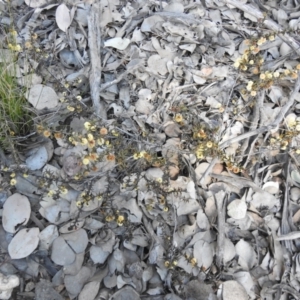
165,158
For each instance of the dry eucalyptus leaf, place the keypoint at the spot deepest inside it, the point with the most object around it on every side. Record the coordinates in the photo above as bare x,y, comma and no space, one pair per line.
295,176
24,243
47,236
89,291
295,193
25,186
69,59
172,129
61,253
290,120
149,23
143,106
200,170
271,187
16,212
195,289
98,255
232,290
117,43
285,49
264,198
53,211
37,159
77,240
81,15
204,253
237,209
174,7
157,64
71,165
154,173
71,226
245,279
75,267
186,231
229,250
247,255
75,283
41,97
44,290
63,17
202,220
185,207
126,293
37,3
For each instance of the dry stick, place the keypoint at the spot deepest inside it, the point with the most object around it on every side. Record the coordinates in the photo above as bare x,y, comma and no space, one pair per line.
267,21
219,200
272,125
285,226
94,35
253,126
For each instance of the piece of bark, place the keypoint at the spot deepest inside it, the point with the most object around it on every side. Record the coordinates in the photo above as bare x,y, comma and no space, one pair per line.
94,37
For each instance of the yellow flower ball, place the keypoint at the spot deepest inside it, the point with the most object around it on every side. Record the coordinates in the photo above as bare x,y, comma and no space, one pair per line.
47,133
193,261
85,161
178,118
120,219
100,141
90,137
159,180
13,181
63,190
103,131
262,76
294,75
209,144
236,64
84,141
17,48
87,125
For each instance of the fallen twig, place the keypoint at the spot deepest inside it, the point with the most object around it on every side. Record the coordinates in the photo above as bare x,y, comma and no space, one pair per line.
94,35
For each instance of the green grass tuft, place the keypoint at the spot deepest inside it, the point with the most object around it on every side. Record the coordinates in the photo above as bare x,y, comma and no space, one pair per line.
15,119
